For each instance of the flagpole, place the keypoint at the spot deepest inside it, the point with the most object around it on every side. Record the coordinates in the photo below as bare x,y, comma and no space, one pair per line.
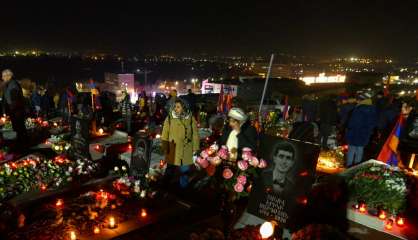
265,87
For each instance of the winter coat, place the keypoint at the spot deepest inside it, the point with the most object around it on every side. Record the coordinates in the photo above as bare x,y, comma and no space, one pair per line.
13,98
328,112
387,118
183,132
309,110
36,99
361,124
170,104
246,138
345,111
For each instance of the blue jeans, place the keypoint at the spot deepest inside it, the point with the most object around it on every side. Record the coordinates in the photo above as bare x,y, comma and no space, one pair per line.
354,155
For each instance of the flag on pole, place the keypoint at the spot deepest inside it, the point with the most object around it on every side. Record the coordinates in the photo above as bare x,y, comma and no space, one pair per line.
221,100
286,108
228,102
389,153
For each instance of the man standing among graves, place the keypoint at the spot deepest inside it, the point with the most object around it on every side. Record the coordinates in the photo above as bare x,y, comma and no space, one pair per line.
360,128
13,102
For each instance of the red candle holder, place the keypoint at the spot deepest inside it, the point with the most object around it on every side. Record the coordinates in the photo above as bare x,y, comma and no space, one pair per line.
382,215
389,224
362,208
400,221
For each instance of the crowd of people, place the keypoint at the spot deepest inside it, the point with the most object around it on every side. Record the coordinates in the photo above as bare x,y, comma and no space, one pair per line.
363,121
359,120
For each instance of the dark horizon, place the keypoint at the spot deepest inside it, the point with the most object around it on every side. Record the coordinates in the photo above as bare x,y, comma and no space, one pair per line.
322,28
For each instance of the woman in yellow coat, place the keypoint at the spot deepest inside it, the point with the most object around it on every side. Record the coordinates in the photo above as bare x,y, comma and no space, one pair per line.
180,137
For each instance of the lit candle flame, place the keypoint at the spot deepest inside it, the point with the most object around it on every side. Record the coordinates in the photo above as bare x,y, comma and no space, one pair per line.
59,203
267,230
112,222
144,213
73,236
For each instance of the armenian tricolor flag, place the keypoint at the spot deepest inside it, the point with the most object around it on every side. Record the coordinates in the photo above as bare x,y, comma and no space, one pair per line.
286,108
389,152
221,100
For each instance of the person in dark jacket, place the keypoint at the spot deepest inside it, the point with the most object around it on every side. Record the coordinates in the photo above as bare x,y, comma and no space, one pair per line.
239,133
345,110
360,128
36,101
328,119
387,117
14,105
309,109
191,99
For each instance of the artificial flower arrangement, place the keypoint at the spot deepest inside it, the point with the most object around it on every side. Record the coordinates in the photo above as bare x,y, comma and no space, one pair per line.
280,129
38,173
132,186
380,186
31,173
58,144
7,125
237,175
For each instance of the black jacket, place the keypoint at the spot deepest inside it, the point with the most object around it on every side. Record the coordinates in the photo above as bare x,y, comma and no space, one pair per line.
13,97
246,138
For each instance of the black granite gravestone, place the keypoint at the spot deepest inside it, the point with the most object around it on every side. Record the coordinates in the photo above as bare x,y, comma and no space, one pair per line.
141,155
280,193
80,137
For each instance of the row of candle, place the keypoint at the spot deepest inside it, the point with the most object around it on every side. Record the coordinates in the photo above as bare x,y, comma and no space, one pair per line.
111,224
400,221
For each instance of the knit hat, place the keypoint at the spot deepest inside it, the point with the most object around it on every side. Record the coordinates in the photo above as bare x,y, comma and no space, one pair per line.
238,114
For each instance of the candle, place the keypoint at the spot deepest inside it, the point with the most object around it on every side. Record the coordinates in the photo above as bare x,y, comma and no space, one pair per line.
101,131
112,223
144,213
96,230
389,224
382,215
59,203
73,236
362,208
400,221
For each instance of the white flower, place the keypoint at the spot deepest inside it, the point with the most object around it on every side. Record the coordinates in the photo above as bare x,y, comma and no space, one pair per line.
143,193
116,169
123,168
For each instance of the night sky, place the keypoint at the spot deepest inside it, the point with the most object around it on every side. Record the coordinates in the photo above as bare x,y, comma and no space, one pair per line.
310,27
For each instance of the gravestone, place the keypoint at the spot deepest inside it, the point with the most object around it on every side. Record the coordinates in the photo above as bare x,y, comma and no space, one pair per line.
141,155
80,137
281,192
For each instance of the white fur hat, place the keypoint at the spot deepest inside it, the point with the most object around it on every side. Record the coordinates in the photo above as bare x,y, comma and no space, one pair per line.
237,114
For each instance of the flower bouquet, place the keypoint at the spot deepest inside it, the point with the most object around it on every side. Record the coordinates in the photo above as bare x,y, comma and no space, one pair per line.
235,176
280,129
59,145
31,173
380,187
